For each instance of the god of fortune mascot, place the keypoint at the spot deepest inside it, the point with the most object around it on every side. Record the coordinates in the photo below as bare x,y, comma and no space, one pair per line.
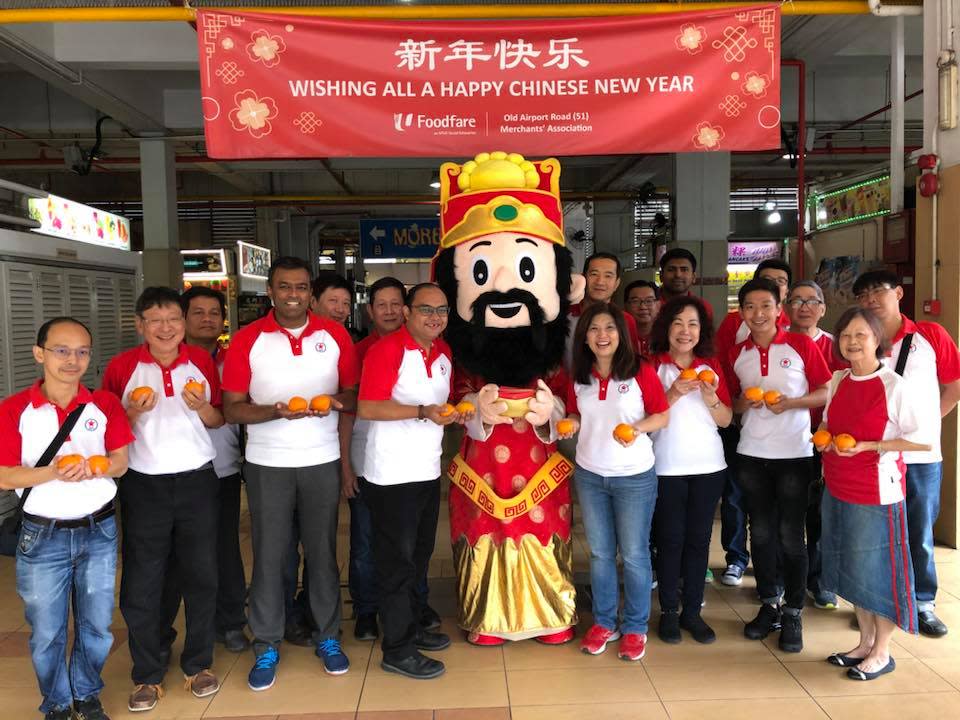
507,273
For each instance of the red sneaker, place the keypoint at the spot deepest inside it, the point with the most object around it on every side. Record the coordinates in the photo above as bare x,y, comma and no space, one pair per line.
484,640
596,639
633,646
559,638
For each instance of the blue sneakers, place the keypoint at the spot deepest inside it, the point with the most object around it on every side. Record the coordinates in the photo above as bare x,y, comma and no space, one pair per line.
264,671
334,661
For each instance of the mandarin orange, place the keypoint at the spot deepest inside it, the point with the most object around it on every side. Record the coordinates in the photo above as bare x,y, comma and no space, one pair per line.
707,376
297,404
320,403
99,464
822,438
844,441
753,394
141,393
68,460
565,426
624,432
688,374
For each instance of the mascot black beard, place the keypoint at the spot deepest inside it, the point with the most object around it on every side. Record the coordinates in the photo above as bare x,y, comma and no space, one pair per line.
508,277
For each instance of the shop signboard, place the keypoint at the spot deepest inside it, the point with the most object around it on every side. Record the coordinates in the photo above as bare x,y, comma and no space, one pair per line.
254,261
751,252
203,264
294,86
862,201
399,238
75,221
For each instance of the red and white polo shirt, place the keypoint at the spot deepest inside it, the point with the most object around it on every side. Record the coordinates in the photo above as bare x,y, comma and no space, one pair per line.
794,366
933,361
29,422
604,404
271,365
171,438
397,368
733,330
226,438
871,407
361,428
574,317
690,444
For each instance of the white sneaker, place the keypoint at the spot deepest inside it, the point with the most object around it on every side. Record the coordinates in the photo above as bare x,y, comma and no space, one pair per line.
733,575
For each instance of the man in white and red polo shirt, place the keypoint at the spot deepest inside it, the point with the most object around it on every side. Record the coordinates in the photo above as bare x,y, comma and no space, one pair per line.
733,515
292,457
407,380
930,365
169,496
774,453
67,549
602,272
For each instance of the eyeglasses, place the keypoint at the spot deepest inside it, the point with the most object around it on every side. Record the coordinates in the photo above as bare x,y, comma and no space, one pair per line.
809,302
778,280
430,310
872,293
646,302
64,353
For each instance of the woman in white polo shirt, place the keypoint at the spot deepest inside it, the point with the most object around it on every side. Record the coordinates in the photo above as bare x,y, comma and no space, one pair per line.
782,376
866,548
691,474
615,401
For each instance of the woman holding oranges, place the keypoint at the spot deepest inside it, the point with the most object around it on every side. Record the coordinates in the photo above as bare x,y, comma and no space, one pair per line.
615,401
782,375
866,554
691,474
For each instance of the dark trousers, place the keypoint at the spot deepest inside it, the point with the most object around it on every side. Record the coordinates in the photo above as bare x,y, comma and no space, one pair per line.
169,519
777,493
684,522
814,526
733,512
296,603
275,494
404,531
231,581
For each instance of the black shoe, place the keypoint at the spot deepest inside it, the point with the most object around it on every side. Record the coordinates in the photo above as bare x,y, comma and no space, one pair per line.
429,618
669,629
234,641
791,633
298,634
65,714
432,641
418,667
365,627
766,621
931,625
698,629
90,709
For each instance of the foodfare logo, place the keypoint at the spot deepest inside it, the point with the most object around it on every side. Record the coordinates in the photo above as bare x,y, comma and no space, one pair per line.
441,124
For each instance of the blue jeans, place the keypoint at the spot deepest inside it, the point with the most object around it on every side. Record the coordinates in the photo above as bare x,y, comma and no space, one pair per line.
617,512
55,567
923,507
733,506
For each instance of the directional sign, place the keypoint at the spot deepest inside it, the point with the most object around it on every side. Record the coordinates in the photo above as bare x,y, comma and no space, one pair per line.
399,237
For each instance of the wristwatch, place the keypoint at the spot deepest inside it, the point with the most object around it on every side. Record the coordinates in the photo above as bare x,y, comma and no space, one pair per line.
420,412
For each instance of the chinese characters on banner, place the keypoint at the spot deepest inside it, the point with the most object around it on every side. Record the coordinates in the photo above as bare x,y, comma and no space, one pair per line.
285,86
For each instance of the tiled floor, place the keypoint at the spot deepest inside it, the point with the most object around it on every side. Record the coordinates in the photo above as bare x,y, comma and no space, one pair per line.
733,678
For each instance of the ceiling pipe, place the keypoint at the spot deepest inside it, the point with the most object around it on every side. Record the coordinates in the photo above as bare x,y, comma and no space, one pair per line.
885,10
428,12
853,123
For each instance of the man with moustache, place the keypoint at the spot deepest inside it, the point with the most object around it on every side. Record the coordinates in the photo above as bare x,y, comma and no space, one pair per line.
507,275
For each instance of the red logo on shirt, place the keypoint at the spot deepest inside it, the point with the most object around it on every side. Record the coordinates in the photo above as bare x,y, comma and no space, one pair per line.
320,347
191,379
623,389
91,425
785,363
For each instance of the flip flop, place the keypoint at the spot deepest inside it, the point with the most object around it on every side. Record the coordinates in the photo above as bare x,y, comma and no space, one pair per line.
846,661
855,674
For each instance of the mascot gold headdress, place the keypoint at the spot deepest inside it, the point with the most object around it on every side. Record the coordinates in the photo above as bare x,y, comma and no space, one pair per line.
505,268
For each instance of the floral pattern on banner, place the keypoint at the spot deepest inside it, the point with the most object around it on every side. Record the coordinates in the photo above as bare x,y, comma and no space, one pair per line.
756,84
708,137
691,39
253,114
266,48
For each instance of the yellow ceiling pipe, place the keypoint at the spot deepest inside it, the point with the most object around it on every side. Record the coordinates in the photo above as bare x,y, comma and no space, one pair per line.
424,12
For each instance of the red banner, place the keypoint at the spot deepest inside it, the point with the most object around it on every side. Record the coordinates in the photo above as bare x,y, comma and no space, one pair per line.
286,86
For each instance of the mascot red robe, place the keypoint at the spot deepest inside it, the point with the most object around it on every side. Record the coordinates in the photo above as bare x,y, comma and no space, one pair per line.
508,276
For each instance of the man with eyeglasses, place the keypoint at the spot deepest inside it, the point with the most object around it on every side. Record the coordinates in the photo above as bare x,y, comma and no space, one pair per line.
67,550
930,365
292,461
806,307
733,515
407,380
641,301
170,496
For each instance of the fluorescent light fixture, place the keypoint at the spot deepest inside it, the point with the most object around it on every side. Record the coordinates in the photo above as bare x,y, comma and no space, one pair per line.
435,184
